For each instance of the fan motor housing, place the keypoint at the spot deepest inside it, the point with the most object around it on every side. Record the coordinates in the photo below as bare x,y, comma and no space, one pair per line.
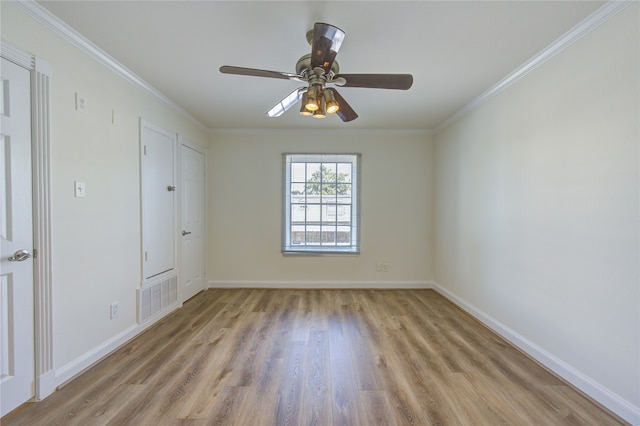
303,66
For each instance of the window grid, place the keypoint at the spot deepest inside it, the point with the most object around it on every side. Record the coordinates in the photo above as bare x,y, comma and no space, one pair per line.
319,198
325,204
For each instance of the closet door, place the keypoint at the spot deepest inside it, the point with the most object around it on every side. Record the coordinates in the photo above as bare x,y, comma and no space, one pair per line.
158,153
193,219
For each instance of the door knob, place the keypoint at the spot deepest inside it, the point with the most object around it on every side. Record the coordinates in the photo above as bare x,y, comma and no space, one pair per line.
19,256
185,233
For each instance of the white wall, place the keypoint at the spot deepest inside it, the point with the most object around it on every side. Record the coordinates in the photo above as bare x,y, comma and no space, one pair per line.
245,211
96,240
537,210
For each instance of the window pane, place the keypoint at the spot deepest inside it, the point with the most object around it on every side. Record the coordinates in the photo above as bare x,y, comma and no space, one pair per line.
313,169
329,215
313,235
298,172
328,235
329,193
344,169
344,189
298,213
344,215
313,213
297,234
344,235
329,172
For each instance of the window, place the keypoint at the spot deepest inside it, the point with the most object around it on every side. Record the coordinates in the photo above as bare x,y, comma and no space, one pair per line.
321,203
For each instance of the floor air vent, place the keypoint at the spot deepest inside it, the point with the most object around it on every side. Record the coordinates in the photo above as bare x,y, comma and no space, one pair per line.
157,298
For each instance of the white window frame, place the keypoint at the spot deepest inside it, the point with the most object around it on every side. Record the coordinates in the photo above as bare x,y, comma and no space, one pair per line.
353,247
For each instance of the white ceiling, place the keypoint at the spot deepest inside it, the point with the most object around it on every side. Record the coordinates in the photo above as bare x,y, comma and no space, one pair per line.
454,49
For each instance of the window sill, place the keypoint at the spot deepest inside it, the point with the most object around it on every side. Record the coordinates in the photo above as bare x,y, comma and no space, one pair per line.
294,253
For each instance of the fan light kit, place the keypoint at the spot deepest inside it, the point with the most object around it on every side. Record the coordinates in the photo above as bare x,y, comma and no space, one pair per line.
318,70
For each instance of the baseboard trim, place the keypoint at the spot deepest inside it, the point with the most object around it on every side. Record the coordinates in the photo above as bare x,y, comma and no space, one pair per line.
602,395
322,284
87,360
621,407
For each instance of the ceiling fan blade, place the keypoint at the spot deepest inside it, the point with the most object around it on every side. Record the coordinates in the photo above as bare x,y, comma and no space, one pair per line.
291,99
377,81
227,69
346,113
326,43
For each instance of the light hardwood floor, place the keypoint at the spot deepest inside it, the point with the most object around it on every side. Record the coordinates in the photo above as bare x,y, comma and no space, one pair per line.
315,357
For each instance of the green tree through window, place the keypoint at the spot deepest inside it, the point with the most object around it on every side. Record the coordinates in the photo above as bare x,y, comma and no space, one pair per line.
327,182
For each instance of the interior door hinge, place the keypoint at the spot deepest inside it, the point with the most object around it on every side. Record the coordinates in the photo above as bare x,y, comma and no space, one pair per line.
144,149
146,257
35,253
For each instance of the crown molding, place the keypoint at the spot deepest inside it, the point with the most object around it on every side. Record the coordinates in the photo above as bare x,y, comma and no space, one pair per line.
597,18
591,22
319,131
59,27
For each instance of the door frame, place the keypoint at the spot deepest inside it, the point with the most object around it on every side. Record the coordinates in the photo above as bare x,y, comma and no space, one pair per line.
202,150
41,73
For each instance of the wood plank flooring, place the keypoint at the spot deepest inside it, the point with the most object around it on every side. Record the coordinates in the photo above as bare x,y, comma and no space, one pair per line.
315,357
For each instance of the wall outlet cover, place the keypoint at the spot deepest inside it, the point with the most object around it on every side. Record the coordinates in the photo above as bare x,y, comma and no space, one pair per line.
114,310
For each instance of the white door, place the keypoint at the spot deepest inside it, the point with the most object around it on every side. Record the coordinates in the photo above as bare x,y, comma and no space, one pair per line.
158,200
17,362
192,204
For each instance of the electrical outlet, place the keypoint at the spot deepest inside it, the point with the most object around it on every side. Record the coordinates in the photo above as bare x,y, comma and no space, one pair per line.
114,310
382,266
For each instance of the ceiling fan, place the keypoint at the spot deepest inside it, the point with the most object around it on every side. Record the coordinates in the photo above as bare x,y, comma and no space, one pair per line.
319,70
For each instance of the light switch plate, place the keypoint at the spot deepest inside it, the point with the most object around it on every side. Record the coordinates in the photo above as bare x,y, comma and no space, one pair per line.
82,103
80,189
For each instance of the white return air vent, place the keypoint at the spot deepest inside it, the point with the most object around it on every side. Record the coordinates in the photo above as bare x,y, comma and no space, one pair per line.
156,299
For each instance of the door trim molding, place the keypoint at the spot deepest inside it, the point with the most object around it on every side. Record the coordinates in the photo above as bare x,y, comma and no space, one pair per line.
41,73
